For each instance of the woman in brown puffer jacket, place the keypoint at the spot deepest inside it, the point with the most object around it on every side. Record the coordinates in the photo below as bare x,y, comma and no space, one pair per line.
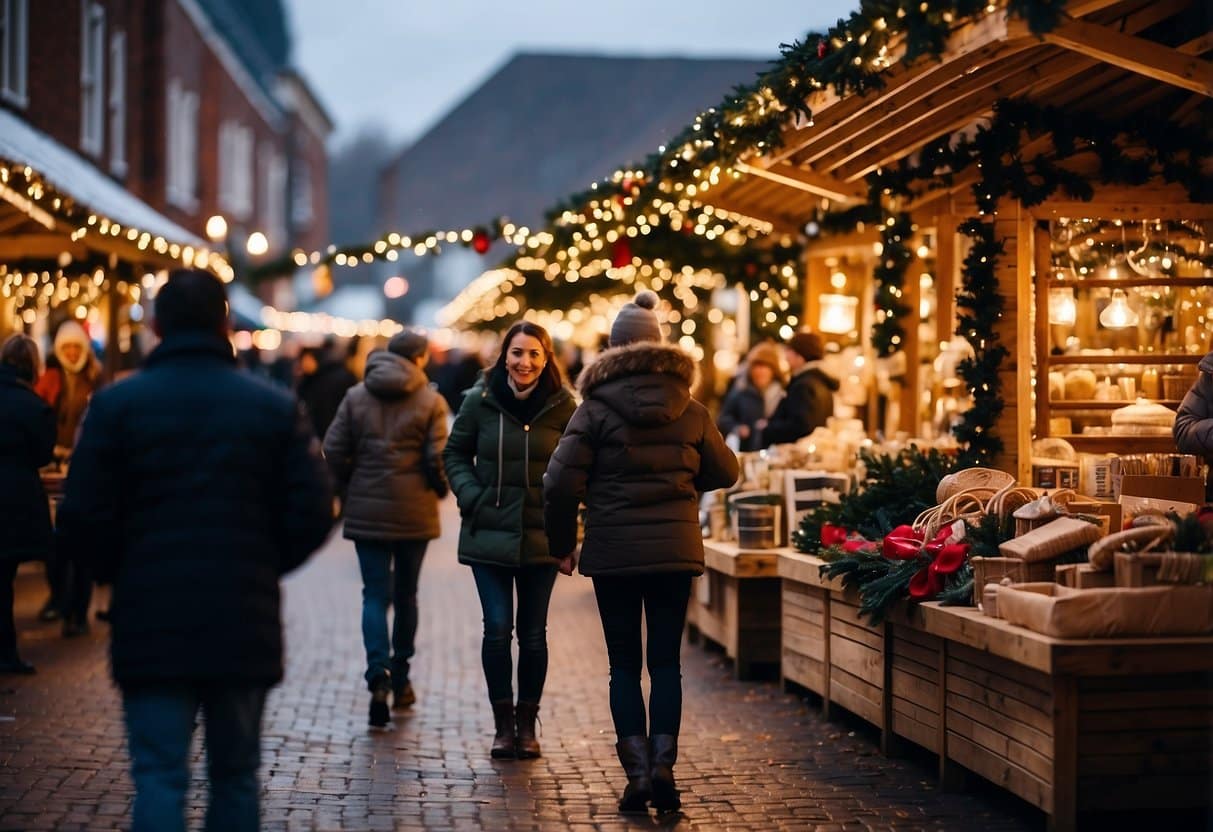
384,448
638,452
1193,428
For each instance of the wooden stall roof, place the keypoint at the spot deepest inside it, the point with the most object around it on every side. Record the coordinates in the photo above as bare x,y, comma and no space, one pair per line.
1112,58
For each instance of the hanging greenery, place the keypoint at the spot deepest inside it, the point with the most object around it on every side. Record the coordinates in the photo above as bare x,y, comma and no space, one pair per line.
888,333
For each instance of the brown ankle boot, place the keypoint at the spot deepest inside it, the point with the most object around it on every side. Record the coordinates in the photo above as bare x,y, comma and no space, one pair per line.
503,740
524,720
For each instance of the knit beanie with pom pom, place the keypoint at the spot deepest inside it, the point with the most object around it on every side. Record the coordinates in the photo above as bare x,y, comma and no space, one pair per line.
637,321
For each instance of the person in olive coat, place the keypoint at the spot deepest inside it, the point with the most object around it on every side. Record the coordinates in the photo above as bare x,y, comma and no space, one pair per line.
638,453
384,448
27,442
505,432
1193,429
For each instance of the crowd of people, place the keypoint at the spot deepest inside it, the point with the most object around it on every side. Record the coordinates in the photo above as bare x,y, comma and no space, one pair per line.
194,486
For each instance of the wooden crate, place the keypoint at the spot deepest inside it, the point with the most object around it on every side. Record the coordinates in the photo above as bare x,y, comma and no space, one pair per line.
804,636
993,570
736,604
856,660
914,686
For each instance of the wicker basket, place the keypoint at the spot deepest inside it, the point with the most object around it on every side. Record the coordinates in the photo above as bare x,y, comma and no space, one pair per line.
1143,538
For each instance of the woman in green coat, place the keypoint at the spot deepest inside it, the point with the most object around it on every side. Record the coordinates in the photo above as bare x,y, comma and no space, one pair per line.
499,447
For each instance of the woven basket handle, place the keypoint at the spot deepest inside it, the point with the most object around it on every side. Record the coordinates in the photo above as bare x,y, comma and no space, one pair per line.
1102,551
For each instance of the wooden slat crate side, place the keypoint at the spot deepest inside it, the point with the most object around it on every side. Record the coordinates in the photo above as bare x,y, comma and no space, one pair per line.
916,711
1026,735
844,608
926,656
1136,742
918,637
805,606
1004,668
916,732
914,689
1197,719
758,603
1000,771
1038,717
1151,684
928,674
1001,746
804,641
861,635
856,695
1136,765
802,595
804,671
1160,791
1008,687
1133,700
857,659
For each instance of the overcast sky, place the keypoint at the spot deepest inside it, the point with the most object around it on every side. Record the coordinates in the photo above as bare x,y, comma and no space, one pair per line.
404,64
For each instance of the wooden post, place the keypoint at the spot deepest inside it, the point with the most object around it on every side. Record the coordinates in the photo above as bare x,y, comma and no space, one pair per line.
946,273
1043,257
1065,754
911,388
1013,228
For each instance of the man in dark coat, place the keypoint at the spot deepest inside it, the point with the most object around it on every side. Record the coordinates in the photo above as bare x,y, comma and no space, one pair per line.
27,441
194,488
1193,428
322,386
810,398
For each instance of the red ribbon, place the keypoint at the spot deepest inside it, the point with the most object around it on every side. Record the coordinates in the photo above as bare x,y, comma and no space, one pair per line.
832,535
903,543
947,556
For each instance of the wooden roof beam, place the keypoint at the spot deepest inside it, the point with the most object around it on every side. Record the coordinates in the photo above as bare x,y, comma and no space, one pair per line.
1135,54
808,180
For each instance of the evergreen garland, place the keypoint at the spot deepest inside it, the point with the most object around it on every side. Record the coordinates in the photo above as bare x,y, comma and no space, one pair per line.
888,333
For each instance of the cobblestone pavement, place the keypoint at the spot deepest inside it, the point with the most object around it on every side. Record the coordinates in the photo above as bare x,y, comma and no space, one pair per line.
752,756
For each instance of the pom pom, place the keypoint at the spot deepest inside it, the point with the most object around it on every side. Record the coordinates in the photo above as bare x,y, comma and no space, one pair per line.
646,299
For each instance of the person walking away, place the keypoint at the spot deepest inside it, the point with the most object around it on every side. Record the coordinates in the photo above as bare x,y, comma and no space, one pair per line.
323,385
753,398
501,441
384,449
71,377
27,442
194,488
809,402
638,453
1193,429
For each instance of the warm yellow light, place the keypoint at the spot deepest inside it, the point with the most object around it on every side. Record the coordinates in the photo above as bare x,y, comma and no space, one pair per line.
216,228
1118,314
258,244
1063,309
837,314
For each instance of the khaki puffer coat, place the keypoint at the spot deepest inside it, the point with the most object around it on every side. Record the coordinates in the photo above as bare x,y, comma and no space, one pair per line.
384,448
496,464
638,453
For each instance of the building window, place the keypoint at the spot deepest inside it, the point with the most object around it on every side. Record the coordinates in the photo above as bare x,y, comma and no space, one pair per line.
273,194
301,197
14,50
92,78
117,103
236,169
182,175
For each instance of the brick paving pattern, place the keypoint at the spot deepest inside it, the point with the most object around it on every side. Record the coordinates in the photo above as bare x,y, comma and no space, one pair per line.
753,757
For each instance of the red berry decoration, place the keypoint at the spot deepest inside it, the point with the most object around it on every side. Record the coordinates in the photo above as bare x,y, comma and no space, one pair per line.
629,185
822,49
480,242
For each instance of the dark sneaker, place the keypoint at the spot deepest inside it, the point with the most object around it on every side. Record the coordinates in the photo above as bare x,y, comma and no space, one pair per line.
403,697
380,715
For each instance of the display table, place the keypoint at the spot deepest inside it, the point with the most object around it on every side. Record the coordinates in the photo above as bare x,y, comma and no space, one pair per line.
735,604
1067,725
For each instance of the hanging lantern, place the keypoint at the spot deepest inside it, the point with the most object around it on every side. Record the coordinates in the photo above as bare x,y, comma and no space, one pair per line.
1063,309
837,314
1118,314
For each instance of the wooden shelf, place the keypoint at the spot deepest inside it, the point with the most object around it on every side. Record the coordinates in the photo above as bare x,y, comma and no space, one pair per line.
1133,282
1130,358
1091,404
1120,444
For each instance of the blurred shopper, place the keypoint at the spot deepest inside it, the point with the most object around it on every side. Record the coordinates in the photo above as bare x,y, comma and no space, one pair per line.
322,384
638,453
810,398
385,451
194,488
72,375
505,432
753,398
27,442
1193,429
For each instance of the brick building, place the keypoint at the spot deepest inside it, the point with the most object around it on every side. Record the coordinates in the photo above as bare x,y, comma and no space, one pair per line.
152,116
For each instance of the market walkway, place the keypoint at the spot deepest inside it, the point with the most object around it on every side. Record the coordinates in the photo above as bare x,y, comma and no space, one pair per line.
754,758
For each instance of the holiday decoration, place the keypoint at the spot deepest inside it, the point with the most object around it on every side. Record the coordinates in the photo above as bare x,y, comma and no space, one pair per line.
481,241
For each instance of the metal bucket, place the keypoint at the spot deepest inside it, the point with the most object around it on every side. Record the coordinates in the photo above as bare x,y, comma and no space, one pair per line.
757,525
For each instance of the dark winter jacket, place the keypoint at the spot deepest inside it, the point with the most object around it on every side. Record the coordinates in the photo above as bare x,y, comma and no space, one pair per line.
638,453
808,404
1193,429
322,391
495,464
27,441
385,451
194,488
745,405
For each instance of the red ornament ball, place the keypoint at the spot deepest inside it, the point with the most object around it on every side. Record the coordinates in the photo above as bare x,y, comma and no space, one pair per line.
481,242
621,254
822,49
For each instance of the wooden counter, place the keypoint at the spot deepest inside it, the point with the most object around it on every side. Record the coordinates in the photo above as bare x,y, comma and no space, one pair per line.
1068,725
736,605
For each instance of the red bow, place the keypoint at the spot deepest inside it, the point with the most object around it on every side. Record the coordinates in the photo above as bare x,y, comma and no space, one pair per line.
903,543
947,555
832,535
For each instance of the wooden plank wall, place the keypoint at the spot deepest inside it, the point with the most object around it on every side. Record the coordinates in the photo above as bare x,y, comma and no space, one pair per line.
1013,226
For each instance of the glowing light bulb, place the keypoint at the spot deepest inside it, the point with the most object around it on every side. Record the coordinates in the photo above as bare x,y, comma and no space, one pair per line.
1117,314
1063,309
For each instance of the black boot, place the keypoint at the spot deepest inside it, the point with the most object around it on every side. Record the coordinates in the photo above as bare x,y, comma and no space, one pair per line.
634,756
381,687
665,754
503,740
524,730
12,663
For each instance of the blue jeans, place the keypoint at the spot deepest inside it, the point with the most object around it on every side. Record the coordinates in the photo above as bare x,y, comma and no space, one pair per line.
160,720
381,590
663,597
496,587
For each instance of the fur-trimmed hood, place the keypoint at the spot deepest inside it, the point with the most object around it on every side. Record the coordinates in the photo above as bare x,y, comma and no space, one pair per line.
644,382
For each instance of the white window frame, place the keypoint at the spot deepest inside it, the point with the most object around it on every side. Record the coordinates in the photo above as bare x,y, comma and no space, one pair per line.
273,194
181,169
14,52
236,173
117,103
302,210
92,77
